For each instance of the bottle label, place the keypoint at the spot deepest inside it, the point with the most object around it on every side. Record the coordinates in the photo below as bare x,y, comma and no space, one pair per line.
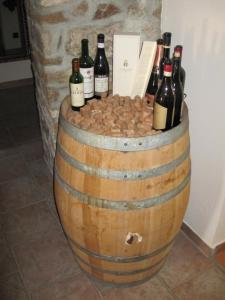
101,45
160,115
77,94
101,85
88,74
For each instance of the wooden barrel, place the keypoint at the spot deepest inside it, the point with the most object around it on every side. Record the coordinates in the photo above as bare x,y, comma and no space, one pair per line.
121,201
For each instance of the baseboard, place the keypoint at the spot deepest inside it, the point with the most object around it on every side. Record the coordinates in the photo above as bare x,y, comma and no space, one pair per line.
16,83
199,243
219,248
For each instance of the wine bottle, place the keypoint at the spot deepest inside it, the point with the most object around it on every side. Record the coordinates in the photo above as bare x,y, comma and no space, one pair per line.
153,81
166,52
177,87
76,86
87,70
179,49
101,70
163,113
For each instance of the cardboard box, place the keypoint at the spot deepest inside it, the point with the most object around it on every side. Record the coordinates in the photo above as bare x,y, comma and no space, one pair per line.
126,50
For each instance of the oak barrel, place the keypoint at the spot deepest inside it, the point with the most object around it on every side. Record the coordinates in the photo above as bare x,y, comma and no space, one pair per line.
121,201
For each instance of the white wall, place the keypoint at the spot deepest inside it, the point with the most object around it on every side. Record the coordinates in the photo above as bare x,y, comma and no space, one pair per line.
15,70
200,27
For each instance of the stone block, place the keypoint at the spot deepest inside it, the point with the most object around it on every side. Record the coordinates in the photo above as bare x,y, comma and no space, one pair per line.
48,3
57,17
81,9
46,60
60,78
136,9
105,10
75,35
41,39
52,95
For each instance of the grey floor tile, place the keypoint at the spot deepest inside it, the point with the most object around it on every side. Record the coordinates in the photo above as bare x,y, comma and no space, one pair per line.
183,263
25,224
11,288
209,285
44,260
12,167
18,193
150,290
42,177
7,263
76,287
32,150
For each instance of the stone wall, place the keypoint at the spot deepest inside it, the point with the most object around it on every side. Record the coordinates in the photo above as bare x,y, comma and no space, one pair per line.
56,28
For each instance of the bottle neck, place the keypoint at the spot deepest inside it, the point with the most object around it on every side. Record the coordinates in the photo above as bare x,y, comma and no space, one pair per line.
176,68
167,74
166,51
76,68
158,56
84,51
101,47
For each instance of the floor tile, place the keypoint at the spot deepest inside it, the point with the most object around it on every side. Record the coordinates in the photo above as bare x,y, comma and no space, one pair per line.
32,150
151,290
25,134
42,177
17,100
53,208
18,193
45,259
12,167
184,262
76,287
5,138
102,286
28,223
7,263
11,288
210,285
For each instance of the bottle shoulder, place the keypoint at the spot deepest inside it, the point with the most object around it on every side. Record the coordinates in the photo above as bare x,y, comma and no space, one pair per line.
86,62
165,93
76,78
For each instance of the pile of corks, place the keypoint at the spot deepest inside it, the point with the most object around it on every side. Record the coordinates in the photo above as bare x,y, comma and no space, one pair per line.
116,116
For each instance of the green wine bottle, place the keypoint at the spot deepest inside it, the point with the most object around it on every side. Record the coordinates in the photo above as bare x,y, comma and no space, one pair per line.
76,86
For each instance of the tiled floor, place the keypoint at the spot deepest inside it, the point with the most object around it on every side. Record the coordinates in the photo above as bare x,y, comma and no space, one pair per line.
35,260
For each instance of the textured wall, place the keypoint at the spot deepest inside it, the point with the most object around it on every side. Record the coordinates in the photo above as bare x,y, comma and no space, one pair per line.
56,28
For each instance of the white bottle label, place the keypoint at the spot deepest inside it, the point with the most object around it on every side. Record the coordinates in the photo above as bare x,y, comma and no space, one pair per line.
101,84
77,94
88,74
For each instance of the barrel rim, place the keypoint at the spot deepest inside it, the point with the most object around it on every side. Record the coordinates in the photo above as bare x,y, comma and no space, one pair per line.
125,144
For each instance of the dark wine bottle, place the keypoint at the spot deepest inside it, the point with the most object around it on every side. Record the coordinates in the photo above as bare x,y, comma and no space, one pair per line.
166,52
101,70
76,86
87,70
179,49
177,87
163,113
153,81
